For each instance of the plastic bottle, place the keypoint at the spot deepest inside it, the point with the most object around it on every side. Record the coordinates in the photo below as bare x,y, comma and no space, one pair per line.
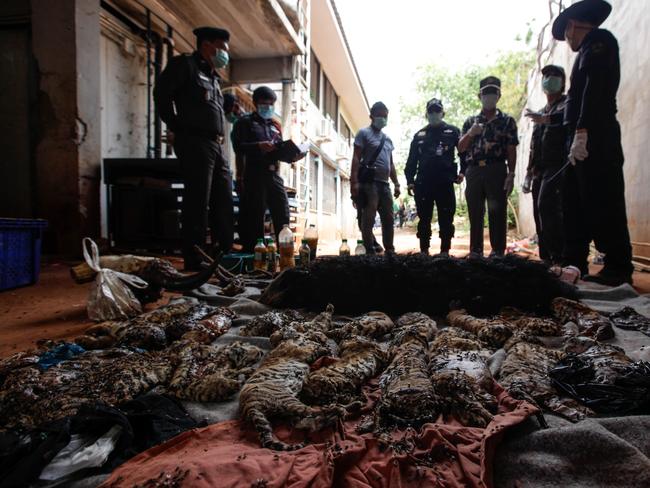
344,250
271,256
305,253
360,250
259,257
286,248
311,236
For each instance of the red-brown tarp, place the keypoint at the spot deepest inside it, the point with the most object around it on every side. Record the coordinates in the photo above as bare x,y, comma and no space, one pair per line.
228,454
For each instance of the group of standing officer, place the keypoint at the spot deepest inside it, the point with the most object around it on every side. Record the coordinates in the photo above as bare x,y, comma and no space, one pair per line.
190,101
575,167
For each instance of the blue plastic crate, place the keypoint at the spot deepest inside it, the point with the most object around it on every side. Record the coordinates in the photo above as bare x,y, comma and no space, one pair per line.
20,251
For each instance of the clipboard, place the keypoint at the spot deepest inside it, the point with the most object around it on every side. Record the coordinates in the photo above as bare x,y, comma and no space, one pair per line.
289,152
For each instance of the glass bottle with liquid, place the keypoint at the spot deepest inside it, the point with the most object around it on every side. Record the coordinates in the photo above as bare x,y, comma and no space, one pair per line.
311,236
344,250
286,248
259,256
360,250
305,253
271,256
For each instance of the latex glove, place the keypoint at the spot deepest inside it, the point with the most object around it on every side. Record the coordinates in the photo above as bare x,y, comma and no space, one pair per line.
475,130
266,146
410,189
397,192
460,178
578,150
538,118
509,184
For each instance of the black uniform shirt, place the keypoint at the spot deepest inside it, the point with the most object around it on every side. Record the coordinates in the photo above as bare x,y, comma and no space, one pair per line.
190,86
431,156
595,78
492,145
548,144
248,132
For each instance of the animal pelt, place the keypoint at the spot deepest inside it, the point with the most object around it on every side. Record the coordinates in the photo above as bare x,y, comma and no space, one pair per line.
31,397
590,323
157,329
340,382
524,374
272,391
527,324
493,332
317,327
371,324
462,381
205,373
266,324
407,395
397,284
456,339
606,360
417,318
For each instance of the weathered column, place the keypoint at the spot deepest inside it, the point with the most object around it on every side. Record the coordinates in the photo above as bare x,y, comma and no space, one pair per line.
65,39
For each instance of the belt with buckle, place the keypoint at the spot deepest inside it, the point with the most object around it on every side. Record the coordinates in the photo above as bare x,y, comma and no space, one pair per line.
485,162
219,139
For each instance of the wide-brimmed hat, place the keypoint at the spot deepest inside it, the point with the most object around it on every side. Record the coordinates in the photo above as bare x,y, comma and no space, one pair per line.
593,11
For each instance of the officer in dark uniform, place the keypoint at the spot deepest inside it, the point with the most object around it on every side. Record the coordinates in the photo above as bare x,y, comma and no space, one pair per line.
256,137
431,172
548,154
595,191
190,102
489,143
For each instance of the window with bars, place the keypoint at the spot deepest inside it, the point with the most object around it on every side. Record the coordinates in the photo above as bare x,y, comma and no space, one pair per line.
345,131
329,189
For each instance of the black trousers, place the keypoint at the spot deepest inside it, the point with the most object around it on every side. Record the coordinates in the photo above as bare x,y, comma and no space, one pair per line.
262,189
440,194
548,213
486,183
594,205
207,194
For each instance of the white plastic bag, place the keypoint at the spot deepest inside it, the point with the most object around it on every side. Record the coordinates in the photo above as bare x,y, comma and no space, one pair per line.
110,297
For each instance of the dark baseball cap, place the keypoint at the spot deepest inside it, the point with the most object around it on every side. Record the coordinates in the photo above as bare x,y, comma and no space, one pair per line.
434,103
211,34
593,11
490,82
553,70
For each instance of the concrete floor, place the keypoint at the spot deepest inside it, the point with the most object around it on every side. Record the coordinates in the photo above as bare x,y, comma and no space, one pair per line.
55,308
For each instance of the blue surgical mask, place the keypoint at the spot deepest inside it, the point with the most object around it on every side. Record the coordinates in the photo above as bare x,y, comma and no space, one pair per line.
265,111
220,59
379,122
435,118
552,84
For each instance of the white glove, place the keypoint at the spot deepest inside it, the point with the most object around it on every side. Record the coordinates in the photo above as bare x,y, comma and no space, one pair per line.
578,150
509,184
475,130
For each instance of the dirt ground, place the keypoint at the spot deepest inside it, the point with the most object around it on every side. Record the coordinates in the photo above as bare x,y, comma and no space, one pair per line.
55,308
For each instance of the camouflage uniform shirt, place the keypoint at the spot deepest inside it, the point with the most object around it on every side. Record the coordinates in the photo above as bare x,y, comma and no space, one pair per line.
491,146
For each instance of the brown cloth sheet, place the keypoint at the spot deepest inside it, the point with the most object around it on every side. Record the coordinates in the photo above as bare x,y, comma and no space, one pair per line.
227,454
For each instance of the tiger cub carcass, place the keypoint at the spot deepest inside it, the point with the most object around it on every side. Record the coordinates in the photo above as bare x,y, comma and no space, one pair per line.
272,391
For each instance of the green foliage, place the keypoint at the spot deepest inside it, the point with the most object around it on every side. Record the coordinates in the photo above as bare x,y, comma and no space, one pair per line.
459,91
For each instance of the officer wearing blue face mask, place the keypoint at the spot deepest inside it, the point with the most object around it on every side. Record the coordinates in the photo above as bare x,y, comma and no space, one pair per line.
548,153
189,100
255,138
431,172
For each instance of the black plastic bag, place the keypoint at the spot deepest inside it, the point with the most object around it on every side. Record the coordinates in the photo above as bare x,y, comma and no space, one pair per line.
629,393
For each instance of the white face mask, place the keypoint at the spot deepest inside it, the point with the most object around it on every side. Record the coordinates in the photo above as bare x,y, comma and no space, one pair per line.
434,118
489,102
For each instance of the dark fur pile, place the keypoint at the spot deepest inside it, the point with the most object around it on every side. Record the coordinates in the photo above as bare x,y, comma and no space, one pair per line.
407,283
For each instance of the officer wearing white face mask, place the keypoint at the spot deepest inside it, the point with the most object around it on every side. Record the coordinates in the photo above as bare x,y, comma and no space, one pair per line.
189,100
595,190
489,147
431,172
548,154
